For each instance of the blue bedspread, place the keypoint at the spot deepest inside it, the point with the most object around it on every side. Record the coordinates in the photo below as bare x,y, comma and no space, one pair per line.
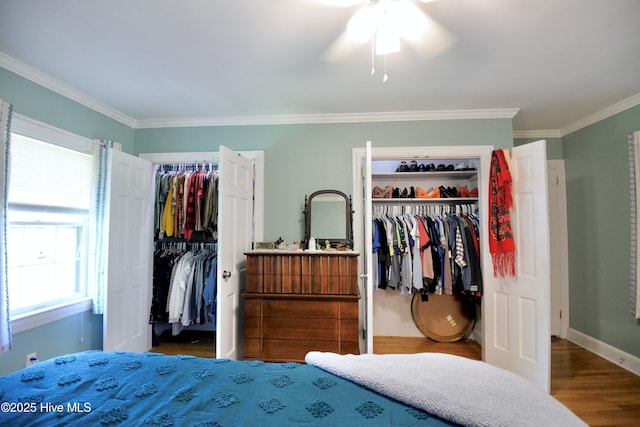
125,389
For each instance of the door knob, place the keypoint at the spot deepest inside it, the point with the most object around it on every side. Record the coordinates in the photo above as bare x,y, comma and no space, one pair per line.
226,274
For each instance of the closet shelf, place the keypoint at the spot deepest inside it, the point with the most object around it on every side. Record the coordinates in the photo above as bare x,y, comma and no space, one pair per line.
440,174
455,200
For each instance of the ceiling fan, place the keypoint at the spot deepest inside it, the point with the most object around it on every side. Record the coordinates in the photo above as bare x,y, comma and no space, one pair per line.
384,23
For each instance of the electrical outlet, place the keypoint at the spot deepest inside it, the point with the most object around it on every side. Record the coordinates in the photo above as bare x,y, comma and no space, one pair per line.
31,359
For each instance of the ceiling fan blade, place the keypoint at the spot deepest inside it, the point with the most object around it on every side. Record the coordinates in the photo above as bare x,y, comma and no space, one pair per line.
434,40
341,49
339,3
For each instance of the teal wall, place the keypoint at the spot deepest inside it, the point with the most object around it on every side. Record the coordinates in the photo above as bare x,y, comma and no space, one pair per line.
44,105
79,332
554,146
598,211
300,159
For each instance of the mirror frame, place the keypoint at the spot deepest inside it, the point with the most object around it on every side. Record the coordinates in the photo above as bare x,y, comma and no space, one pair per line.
348,239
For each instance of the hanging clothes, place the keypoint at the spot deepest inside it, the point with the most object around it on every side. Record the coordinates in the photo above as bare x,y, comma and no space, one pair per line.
433,251
186,202
181,277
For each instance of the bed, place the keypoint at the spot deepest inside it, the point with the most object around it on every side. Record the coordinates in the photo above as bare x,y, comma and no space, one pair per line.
125,389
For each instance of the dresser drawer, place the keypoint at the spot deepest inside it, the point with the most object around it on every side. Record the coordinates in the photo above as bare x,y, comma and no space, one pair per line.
294,350
313,309
300,328
302,273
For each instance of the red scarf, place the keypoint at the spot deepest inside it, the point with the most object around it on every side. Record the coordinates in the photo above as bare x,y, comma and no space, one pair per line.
501,243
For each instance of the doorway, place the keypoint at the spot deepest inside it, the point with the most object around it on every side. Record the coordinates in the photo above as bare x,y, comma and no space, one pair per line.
559,248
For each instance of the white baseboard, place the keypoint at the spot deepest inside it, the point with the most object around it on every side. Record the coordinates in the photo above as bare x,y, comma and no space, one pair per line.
625,360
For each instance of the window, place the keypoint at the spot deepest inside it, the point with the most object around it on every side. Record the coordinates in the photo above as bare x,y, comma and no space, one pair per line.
50,200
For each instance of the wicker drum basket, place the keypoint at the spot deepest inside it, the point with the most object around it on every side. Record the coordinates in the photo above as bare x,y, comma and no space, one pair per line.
443,318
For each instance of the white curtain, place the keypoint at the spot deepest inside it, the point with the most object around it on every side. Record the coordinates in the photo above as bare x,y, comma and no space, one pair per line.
99,228
634,171
6,111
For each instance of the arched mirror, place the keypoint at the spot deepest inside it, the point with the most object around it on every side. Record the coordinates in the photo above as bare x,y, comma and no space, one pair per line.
328,216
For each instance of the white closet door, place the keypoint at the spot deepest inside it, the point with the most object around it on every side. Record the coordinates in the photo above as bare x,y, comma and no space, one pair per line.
126,318
516,311
235,213
368,250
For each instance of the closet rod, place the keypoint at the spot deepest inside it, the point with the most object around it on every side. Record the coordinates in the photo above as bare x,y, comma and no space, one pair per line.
176,167
428,209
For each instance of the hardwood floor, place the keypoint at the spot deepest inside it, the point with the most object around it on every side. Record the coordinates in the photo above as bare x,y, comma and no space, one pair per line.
599,392
194,343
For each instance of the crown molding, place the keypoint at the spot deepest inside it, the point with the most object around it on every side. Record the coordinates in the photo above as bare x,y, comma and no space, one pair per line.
30,73
395,116
537,134
612,110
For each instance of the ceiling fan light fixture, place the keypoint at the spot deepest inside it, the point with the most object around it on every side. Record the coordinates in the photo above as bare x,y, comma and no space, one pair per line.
383,23
387,36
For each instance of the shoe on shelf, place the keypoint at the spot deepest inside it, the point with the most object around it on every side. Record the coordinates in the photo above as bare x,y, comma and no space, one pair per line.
463,192
413,166
461,167
444,192
388,192
473,192
412,193
377,192
433,194
441,168
403,167
396,193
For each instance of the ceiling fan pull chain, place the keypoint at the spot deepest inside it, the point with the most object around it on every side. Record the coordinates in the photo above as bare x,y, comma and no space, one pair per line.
385,77
373,56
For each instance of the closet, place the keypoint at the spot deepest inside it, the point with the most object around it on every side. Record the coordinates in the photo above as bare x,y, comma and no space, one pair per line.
217,242
426,246
512,324
185,247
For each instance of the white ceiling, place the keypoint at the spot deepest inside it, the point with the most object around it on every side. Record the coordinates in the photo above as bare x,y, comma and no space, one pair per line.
154,61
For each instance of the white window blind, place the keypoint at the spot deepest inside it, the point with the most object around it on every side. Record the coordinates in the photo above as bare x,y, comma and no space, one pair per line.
48,175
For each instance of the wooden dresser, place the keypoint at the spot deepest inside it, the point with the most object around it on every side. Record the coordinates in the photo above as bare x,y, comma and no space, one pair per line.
300,301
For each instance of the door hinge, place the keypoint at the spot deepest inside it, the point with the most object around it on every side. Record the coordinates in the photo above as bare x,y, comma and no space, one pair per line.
557,181
364,334
561,314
